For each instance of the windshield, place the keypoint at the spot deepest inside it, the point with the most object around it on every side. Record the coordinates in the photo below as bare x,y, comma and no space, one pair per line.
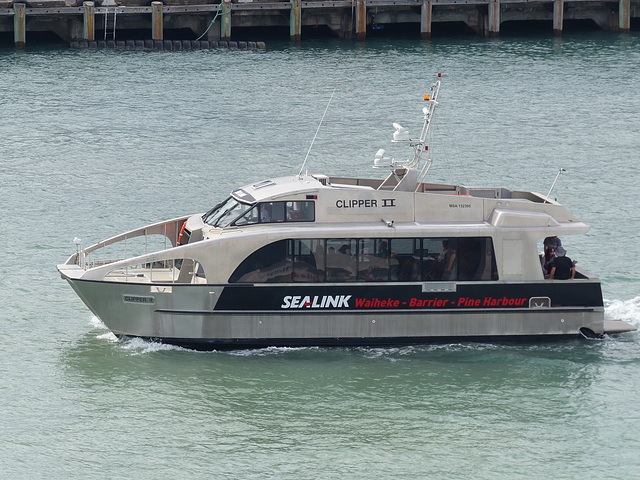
224,213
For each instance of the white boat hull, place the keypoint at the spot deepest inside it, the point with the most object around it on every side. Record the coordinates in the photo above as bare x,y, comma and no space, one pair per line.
208,317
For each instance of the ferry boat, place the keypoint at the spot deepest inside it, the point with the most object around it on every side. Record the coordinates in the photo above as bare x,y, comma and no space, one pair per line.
317,260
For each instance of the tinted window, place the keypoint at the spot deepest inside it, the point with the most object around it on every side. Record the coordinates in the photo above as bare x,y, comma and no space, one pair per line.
224,213
300,211
370,260
269,264
275,212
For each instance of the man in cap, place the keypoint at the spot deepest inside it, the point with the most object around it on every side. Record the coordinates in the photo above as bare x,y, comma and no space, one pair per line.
562,267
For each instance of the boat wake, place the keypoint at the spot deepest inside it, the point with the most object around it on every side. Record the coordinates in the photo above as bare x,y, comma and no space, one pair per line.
136,346
627,310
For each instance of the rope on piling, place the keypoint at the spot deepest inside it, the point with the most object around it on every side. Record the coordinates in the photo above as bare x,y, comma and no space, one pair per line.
214,19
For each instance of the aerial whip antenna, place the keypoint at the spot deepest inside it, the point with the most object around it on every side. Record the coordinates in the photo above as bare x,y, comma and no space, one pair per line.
554,184
317,130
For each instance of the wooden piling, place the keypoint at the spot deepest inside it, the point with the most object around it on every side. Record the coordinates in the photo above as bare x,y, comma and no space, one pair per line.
157,32
558,16
361,19
624,14
89,27
225,20
19,25
425,19
295,20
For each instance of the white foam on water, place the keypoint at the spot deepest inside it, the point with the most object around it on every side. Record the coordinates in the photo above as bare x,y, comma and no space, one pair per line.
138,346
97,323
109,336
627,310
106,334
269,351
135,345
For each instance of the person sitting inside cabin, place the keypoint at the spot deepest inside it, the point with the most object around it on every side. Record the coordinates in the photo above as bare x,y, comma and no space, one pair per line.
551,243
447,260
546,261
561,266
265,212
383,249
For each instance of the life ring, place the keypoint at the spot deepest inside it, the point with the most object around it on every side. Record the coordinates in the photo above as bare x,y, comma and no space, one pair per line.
181,232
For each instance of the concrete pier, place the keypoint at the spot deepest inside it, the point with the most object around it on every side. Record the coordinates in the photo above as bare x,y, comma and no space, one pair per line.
361,19
295,20
558,16
624,13
425,18
74,20
89,30
494,18
225,20
19,25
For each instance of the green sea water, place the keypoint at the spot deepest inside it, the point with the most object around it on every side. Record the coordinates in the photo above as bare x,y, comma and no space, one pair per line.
93,143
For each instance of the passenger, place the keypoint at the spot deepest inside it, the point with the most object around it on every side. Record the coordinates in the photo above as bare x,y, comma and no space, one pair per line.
551,243
562,267
447,259
265,213
383,249
547,257
345,250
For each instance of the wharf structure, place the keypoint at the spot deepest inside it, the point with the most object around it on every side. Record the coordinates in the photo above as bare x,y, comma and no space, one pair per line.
75,20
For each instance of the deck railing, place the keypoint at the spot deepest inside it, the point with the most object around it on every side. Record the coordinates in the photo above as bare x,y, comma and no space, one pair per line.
148,239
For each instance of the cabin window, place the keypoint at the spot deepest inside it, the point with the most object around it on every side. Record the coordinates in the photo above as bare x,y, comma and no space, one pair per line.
308,255
275,212
406,258
224,213
300,211
439,259
251,216
339,260
373,259
271,263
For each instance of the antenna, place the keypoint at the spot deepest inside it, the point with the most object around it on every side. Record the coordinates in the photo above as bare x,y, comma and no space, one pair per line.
317,130
554,184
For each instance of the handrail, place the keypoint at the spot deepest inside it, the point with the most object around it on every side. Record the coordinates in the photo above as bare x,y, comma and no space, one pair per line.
168,229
